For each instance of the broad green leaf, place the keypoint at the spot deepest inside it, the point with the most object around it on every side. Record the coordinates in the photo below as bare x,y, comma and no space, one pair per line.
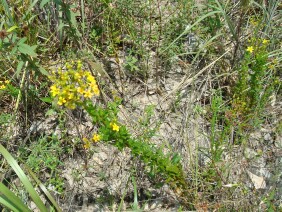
21,41
33,47
27,49
172,169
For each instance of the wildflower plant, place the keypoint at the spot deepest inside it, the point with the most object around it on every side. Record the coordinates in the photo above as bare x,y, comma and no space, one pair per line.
75,87
71,87
3,84
255,80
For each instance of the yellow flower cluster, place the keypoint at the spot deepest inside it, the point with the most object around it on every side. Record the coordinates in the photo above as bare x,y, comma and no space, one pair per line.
3,84
73,85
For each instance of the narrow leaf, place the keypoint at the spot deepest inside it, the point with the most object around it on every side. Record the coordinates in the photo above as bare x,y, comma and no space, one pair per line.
43,2
44,189
43,71
17,169
46,99
19,68
4,201
12,198
7,11
12,28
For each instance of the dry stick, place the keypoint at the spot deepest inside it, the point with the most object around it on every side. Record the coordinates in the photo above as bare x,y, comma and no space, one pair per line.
238,32
187,81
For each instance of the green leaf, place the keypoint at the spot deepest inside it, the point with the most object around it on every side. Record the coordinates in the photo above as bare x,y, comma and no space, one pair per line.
13,91
14,50
50,112
10,200
21,41
27,49
43,71
61,26
30,8
176,159
44,189
12,28
19,68
172,169
7,11
46,99
17,169
43,2
5,201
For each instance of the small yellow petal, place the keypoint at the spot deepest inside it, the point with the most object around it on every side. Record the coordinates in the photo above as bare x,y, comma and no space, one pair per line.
265,41
250,49
115,127
96,137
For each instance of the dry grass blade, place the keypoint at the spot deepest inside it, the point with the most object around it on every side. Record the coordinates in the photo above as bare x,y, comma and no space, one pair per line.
186,81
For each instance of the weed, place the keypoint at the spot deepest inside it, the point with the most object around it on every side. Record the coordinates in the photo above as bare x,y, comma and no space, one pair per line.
44,156
255,82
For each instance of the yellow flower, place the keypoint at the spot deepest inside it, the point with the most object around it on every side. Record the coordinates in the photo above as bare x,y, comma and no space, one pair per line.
88,94
61,100
271,66
114,126
79,64
2,87
77,76
90,78
250,49
7,82
70,96
96,91
64,78
80,90
96,137
95,88
54,90
86,143
68,66
264,41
